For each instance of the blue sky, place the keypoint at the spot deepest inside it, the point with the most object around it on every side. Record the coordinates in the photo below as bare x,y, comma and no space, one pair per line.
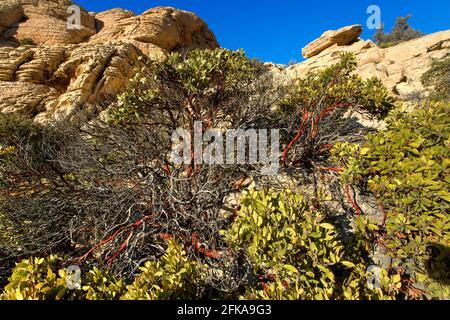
276,30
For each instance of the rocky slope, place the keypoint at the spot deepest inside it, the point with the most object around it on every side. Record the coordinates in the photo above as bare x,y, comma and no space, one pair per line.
399,67
74,73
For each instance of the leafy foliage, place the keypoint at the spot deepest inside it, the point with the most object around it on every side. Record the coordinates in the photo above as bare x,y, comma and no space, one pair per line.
26,41
318,110
172,277
212,86
407,168
400,32
45,279
297,254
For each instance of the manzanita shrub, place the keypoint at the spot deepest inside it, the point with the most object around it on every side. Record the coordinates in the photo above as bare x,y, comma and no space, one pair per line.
202,85
407,168
338,85
170,277
298,255
295,253
46,279
77,186
318,109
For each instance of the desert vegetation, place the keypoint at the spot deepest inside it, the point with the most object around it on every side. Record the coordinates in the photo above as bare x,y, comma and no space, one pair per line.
26,41
108,197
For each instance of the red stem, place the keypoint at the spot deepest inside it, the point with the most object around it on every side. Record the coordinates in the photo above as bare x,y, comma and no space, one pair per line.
297,136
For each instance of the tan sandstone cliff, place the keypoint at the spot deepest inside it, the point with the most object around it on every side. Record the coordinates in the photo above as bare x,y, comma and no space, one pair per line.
74,74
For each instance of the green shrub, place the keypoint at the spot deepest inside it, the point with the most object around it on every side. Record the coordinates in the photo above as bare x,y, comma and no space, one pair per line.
338,84
318,108
45,279
296,253
407,167
26,41
400,32
437,79
172,277
201,85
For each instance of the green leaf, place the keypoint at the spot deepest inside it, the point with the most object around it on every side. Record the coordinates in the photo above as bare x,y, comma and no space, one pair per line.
327,226
290,268
348,264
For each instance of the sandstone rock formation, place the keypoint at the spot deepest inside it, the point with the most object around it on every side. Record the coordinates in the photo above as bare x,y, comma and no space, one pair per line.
399,67
163,27
340,37
75,74
46,23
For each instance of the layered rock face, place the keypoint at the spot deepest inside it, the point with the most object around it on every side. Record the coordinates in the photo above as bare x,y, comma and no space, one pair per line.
45,21
75,73
64,81
399,67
